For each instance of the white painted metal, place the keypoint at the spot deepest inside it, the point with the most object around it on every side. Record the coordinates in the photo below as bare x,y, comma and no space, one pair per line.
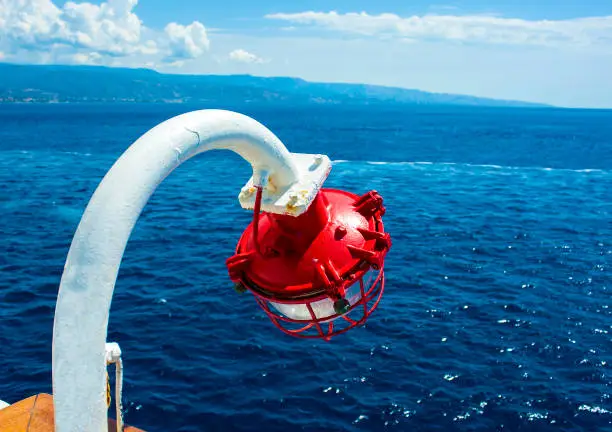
4,404
112,352
294,200
90,272
113,356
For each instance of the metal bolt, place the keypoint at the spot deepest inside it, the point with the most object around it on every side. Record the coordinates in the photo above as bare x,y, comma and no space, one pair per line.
293,199
340,232
248,191
239,288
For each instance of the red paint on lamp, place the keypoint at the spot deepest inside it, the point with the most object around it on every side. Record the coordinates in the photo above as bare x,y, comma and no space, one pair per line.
298,267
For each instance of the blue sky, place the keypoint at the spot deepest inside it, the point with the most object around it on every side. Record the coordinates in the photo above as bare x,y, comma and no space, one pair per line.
230,13
559,52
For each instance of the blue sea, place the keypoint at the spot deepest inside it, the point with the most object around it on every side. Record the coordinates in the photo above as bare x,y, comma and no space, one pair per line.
497,313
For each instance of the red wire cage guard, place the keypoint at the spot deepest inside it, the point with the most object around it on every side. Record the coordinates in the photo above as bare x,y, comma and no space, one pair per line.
319,274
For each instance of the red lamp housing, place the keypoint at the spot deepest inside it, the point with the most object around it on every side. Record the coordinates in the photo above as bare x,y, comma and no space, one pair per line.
318,274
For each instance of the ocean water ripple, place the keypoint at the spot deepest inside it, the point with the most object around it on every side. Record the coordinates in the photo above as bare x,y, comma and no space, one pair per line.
498,308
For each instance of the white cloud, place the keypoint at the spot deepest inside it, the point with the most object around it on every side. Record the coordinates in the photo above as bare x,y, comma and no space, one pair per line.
110,28
94,33
25,21
86,58
242,56
471,28
186,42
2,55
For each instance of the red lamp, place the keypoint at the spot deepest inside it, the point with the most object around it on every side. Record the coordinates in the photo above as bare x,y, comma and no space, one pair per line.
321,273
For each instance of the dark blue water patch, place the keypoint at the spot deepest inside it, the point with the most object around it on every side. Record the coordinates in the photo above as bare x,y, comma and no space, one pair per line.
506,136
497,312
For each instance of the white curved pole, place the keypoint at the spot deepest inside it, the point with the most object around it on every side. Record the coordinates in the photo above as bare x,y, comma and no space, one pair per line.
88,281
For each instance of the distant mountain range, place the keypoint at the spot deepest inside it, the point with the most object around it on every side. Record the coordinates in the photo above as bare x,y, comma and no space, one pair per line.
55,84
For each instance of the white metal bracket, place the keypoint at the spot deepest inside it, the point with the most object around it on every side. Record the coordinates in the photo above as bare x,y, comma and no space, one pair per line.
112,352
295,199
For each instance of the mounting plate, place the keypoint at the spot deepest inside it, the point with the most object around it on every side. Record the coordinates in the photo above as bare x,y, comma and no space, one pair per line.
295,199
